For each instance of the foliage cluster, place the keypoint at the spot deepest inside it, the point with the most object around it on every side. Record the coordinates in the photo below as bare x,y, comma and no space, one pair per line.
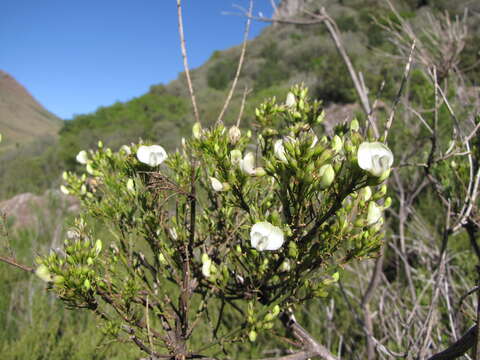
179,232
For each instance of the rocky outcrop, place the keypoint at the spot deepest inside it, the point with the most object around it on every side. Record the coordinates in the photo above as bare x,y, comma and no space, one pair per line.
25,210
289,8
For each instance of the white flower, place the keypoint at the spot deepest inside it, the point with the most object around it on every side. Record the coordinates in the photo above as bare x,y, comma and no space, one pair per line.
375,158
216,184
64,189
82,157
126,149
374,213
265,236
152,155
279,150
173,233
247,164
72,234
290,100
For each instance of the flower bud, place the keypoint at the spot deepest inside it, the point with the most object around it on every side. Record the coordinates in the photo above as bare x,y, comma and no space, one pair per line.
206,265
87,284
43,273
292,250
387,203
279,151
354,125
291,101
365,193
285,266
90,169
58,279
197,130
374,213
337,144
235,156
130,185
259,171
234,134
326,176
126,149
98,246
320,117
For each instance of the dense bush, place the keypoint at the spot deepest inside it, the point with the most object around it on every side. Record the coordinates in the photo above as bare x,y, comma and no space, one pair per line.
221,73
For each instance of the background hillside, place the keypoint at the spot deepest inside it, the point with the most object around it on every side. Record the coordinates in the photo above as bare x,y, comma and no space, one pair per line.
22,118
281,56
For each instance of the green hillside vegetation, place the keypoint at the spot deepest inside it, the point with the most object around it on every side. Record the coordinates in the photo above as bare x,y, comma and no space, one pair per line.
280,57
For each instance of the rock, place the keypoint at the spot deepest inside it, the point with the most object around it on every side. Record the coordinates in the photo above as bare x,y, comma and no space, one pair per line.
25,209
288,8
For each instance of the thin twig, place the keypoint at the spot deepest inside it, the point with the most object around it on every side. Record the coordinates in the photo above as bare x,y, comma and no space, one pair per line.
13,262
242,106
400,90
240,63
185,60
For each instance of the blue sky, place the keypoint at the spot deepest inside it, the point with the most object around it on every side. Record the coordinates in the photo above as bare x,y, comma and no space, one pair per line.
74,56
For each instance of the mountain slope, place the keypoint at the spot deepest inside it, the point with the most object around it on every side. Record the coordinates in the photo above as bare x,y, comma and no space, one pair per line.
22,118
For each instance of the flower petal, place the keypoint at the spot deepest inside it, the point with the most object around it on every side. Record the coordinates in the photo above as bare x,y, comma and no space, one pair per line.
265,236
279,150
374,157
216,184
247,164
152,155
82,157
